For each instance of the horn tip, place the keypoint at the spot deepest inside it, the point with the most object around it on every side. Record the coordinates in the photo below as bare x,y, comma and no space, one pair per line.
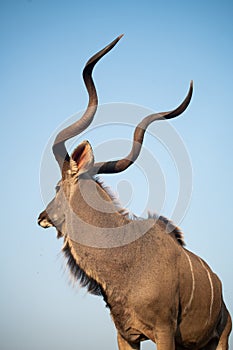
120,36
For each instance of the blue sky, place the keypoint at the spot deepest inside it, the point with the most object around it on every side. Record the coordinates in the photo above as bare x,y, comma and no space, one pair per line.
44,46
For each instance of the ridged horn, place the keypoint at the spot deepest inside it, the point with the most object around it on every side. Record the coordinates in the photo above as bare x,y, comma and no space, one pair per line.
117,166
59,149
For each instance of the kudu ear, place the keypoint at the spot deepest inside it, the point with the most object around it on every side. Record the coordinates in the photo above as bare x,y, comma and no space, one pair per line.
82,159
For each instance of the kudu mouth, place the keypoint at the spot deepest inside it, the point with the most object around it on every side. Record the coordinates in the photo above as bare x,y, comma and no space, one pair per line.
44,221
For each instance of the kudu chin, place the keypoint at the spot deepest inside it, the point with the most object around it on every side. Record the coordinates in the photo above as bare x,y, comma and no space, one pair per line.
154,287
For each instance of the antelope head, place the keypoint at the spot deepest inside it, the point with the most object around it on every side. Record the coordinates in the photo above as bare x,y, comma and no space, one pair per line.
78,191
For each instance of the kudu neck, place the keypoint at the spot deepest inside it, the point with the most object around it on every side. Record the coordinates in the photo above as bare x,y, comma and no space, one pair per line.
94,205
92,214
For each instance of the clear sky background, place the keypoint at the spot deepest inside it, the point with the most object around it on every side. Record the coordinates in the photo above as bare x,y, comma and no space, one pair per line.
44,46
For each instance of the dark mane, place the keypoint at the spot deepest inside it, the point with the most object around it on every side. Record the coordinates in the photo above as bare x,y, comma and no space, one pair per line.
113,196
79,274
170,228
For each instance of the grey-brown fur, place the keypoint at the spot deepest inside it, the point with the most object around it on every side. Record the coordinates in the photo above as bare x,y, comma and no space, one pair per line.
155,288
94,287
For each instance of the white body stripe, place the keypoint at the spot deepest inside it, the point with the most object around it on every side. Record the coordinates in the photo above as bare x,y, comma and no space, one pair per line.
193,283
211,287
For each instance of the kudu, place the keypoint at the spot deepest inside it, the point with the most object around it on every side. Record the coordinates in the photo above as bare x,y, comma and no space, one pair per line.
154,287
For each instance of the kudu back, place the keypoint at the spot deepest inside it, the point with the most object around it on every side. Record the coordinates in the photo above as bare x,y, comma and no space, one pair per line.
154,287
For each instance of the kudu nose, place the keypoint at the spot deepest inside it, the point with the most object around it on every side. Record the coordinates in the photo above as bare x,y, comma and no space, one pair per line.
43,220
